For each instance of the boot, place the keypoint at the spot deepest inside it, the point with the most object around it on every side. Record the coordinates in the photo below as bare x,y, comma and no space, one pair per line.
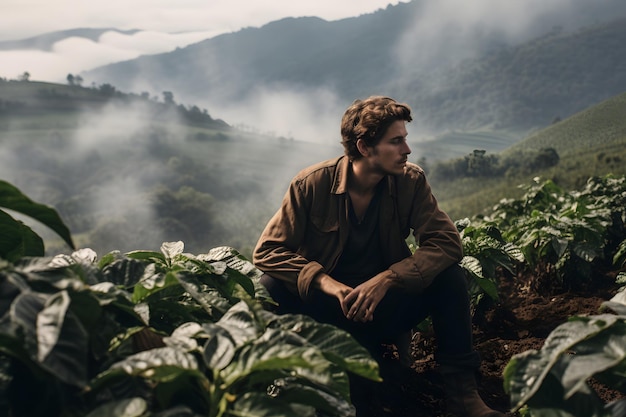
462,398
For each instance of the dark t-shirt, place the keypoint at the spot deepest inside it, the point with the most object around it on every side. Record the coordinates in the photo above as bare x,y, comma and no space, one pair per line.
361,258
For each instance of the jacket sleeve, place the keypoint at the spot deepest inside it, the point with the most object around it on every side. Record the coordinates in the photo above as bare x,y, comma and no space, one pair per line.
438,241
276,252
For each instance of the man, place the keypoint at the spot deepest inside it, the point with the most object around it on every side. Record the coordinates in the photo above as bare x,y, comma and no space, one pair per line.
336,249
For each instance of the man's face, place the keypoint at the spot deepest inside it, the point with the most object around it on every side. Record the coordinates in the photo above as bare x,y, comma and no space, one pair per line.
389,156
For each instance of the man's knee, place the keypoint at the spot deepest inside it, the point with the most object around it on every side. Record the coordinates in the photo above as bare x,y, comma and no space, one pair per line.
451,279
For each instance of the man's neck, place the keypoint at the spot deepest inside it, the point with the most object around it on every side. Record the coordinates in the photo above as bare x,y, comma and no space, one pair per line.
363,180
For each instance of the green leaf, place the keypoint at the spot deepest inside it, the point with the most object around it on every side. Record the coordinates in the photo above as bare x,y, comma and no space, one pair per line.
129,407
527,372
617,303
292,390
275,350
18,240
172,249
233,260
13,199
211,301
256,404
55,336
219,349
336,344
144,255
153,281
160,364
241,324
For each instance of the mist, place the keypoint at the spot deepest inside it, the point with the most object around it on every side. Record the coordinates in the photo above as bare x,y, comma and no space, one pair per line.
440,35
73,55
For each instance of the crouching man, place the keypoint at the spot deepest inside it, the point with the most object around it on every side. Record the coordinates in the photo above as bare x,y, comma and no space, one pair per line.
336,249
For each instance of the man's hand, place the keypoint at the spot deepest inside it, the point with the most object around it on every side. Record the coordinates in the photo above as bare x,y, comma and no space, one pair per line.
332,287
360,303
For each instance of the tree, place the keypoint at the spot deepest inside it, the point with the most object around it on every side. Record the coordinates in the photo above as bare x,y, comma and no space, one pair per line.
25,76
168,97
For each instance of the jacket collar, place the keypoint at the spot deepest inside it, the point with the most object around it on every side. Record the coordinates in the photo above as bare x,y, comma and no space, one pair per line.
340,180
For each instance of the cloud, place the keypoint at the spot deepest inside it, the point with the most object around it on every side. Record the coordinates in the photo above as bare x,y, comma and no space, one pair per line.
164,25
76,54
20,19
445,32
312,115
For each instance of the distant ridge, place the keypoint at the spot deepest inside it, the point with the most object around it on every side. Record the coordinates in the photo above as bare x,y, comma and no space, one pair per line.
550,73
45,41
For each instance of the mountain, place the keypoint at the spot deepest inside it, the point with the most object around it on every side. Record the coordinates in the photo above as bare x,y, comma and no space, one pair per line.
457,74
46,41
126,171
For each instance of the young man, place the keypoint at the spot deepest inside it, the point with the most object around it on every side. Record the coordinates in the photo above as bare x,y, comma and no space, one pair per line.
336,249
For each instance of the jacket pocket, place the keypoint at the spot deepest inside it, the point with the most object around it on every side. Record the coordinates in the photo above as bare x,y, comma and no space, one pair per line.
324,225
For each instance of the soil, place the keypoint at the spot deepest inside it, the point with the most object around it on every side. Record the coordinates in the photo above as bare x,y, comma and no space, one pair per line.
524,316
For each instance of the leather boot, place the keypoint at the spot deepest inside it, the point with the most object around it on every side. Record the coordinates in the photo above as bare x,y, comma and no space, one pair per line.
462,398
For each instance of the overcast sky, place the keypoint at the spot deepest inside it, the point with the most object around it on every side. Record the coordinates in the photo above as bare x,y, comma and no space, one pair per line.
166,24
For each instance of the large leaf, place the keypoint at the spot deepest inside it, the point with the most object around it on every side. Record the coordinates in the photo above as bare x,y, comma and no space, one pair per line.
275,350
58,339
242,270
128,407
292,390
160,364
219,349
256,404
18,240
241,324
211,301
526,373
336,344
13,199
617,303
153,281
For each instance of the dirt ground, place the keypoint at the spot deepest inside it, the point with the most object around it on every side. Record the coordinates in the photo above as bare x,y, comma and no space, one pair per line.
521,320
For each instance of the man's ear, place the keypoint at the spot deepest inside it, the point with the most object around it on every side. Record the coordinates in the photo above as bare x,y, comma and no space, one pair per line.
362,147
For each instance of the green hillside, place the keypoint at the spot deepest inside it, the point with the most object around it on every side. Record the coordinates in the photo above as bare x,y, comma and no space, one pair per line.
127,171
590,143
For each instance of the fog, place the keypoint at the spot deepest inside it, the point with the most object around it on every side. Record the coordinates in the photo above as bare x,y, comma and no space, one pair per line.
444,33
449,31
105,168
73,55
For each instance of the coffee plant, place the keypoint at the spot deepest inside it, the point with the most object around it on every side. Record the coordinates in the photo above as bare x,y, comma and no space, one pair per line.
161,334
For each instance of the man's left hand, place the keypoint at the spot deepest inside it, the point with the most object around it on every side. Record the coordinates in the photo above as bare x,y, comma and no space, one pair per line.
360,303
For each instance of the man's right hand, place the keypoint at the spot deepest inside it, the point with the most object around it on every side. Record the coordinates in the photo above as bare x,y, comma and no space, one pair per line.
330,286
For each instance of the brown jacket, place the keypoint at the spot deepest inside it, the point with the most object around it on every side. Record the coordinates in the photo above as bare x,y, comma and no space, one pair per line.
307,234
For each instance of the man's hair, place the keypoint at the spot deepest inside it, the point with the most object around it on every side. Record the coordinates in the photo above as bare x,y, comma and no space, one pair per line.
369,120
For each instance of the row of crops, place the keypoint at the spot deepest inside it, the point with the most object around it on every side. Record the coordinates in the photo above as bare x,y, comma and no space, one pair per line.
171,333
564,240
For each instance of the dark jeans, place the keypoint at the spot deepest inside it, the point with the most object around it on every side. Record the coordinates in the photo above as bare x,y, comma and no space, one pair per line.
446,301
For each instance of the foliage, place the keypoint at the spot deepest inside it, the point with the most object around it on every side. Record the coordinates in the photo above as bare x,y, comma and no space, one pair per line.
163,333
553,381
16,238
485,252
563,234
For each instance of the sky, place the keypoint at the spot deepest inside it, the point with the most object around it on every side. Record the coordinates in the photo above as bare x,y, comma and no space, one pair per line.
164,25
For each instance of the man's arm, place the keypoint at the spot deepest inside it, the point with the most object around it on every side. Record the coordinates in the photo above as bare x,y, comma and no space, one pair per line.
439,242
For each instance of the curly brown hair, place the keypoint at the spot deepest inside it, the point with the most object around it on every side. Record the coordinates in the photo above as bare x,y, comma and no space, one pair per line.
369,120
